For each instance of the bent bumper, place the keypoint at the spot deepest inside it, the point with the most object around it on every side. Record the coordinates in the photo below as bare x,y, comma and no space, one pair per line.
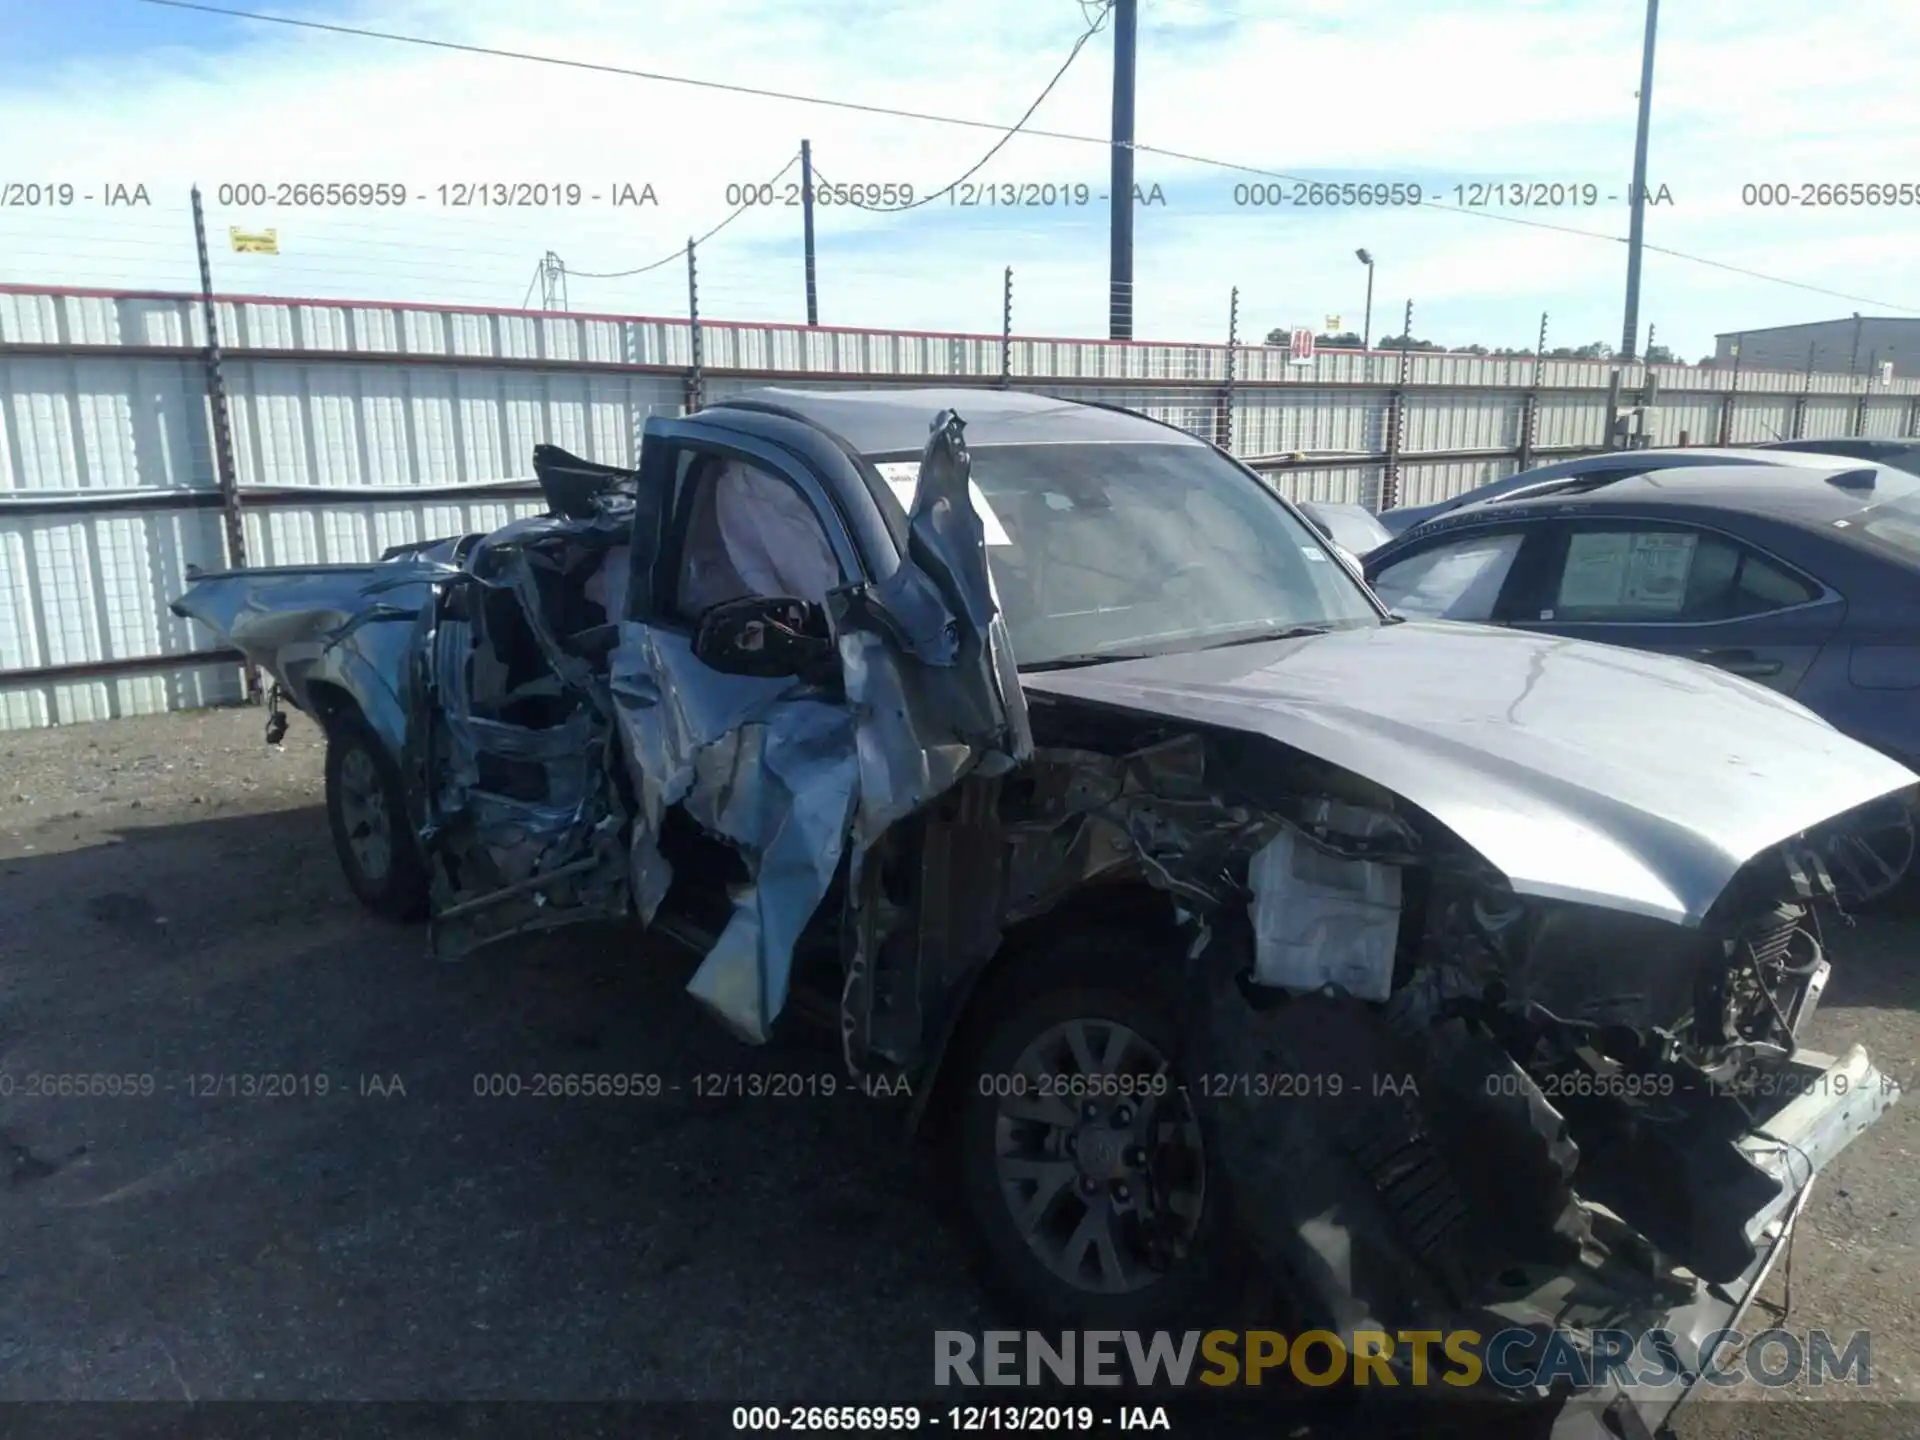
1836,1100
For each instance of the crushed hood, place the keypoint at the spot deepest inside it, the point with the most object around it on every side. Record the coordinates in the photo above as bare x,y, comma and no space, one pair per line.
1584,772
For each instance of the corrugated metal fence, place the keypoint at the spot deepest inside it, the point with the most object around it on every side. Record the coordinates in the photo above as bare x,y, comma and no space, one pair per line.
360,425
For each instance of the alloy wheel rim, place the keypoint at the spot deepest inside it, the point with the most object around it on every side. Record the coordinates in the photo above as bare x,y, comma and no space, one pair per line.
1098,1156
363,811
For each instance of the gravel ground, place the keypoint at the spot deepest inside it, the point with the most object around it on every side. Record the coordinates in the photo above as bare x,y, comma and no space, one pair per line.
170,910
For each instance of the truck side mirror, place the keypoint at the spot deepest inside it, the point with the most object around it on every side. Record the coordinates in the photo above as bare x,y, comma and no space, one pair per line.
769,636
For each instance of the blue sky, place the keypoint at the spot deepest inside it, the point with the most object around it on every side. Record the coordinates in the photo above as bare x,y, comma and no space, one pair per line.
1451,92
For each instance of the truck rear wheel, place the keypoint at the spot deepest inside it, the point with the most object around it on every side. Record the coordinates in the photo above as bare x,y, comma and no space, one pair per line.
367,813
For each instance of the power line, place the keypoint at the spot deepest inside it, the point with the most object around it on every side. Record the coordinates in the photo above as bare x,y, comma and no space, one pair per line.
680,253
1093,28
1777,280
935,119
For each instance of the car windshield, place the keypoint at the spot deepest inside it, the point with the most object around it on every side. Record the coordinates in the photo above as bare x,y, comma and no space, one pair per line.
1103,551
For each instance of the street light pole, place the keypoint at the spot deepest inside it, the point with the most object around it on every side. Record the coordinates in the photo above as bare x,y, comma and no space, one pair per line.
1366,323
1637,229
1365,257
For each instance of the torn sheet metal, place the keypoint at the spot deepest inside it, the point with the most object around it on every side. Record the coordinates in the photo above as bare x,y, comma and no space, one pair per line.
785,771
347,625
765,764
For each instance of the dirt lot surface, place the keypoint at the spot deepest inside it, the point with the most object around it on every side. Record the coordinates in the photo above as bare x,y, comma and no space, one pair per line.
171,912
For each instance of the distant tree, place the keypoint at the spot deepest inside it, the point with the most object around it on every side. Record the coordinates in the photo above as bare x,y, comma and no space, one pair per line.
1707,361
1598,350
1470,350
1660,355
1405,342
1504,351
1345,340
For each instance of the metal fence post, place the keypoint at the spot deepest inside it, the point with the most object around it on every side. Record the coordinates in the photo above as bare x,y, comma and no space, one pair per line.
1866,394
696,377
1233,346
1530,404
1612,436
1397,417
1800,402
223,467
1006,330
1733,393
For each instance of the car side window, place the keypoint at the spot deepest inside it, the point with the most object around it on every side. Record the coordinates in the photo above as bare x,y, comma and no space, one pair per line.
744,530
1638,574
1455,580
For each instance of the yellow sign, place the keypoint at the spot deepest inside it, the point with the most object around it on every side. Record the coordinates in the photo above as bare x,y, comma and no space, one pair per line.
1333,324
254,242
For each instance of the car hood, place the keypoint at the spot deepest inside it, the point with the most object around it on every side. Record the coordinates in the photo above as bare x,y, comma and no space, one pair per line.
1583,772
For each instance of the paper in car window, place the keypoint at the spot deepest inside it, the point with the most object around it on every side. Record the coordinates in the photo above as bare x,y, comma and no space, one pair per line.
902,475
1621,571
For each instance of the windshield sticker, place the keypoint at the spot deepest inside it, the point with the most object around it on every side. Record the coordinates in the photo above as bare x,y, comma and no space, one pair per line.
903,475
1058,502
1312,552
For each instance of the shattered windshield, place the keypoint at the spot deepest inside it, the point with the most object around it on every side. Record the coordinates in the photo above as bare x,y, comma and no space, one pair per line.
1112,550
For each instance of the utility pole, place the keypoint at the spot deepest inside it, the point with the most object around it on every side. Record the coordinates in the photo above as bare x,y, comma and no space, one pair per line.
806,227
553,282
1120,269
1637,230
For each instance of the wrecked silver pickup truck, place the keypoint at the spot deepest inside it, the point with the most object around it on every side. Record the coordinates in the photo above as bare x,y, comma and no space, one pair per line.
1053,754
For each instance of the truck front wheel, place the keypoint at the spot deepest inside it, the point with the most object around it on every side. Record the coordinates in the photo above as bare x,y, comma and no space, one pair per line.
1082,1164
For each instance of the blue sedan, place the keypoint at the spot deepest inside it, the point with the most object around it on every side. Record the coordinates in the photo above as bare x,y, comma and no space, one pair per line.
1803,580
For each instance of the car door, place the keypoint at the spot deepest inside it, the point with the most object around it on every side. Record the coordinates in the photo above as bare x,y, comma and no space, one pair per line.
798,773
1683,588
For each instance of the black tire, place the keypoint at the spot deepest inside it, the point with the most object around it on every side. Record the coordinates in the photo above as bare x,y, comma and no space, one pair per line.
362,786
1084,980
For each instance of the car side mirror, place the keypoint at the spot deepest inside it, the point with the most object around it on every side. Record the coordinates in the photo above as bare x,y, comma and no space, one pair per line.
769,636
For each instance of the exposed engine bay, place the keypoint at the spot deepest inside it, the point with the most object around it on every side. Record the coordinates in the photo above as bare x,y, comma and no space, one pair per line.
1436,1099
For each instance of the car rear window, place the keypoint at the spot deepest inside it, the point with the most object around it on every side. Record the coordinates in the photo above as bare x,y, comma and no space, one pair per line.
1640,574
1894,525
